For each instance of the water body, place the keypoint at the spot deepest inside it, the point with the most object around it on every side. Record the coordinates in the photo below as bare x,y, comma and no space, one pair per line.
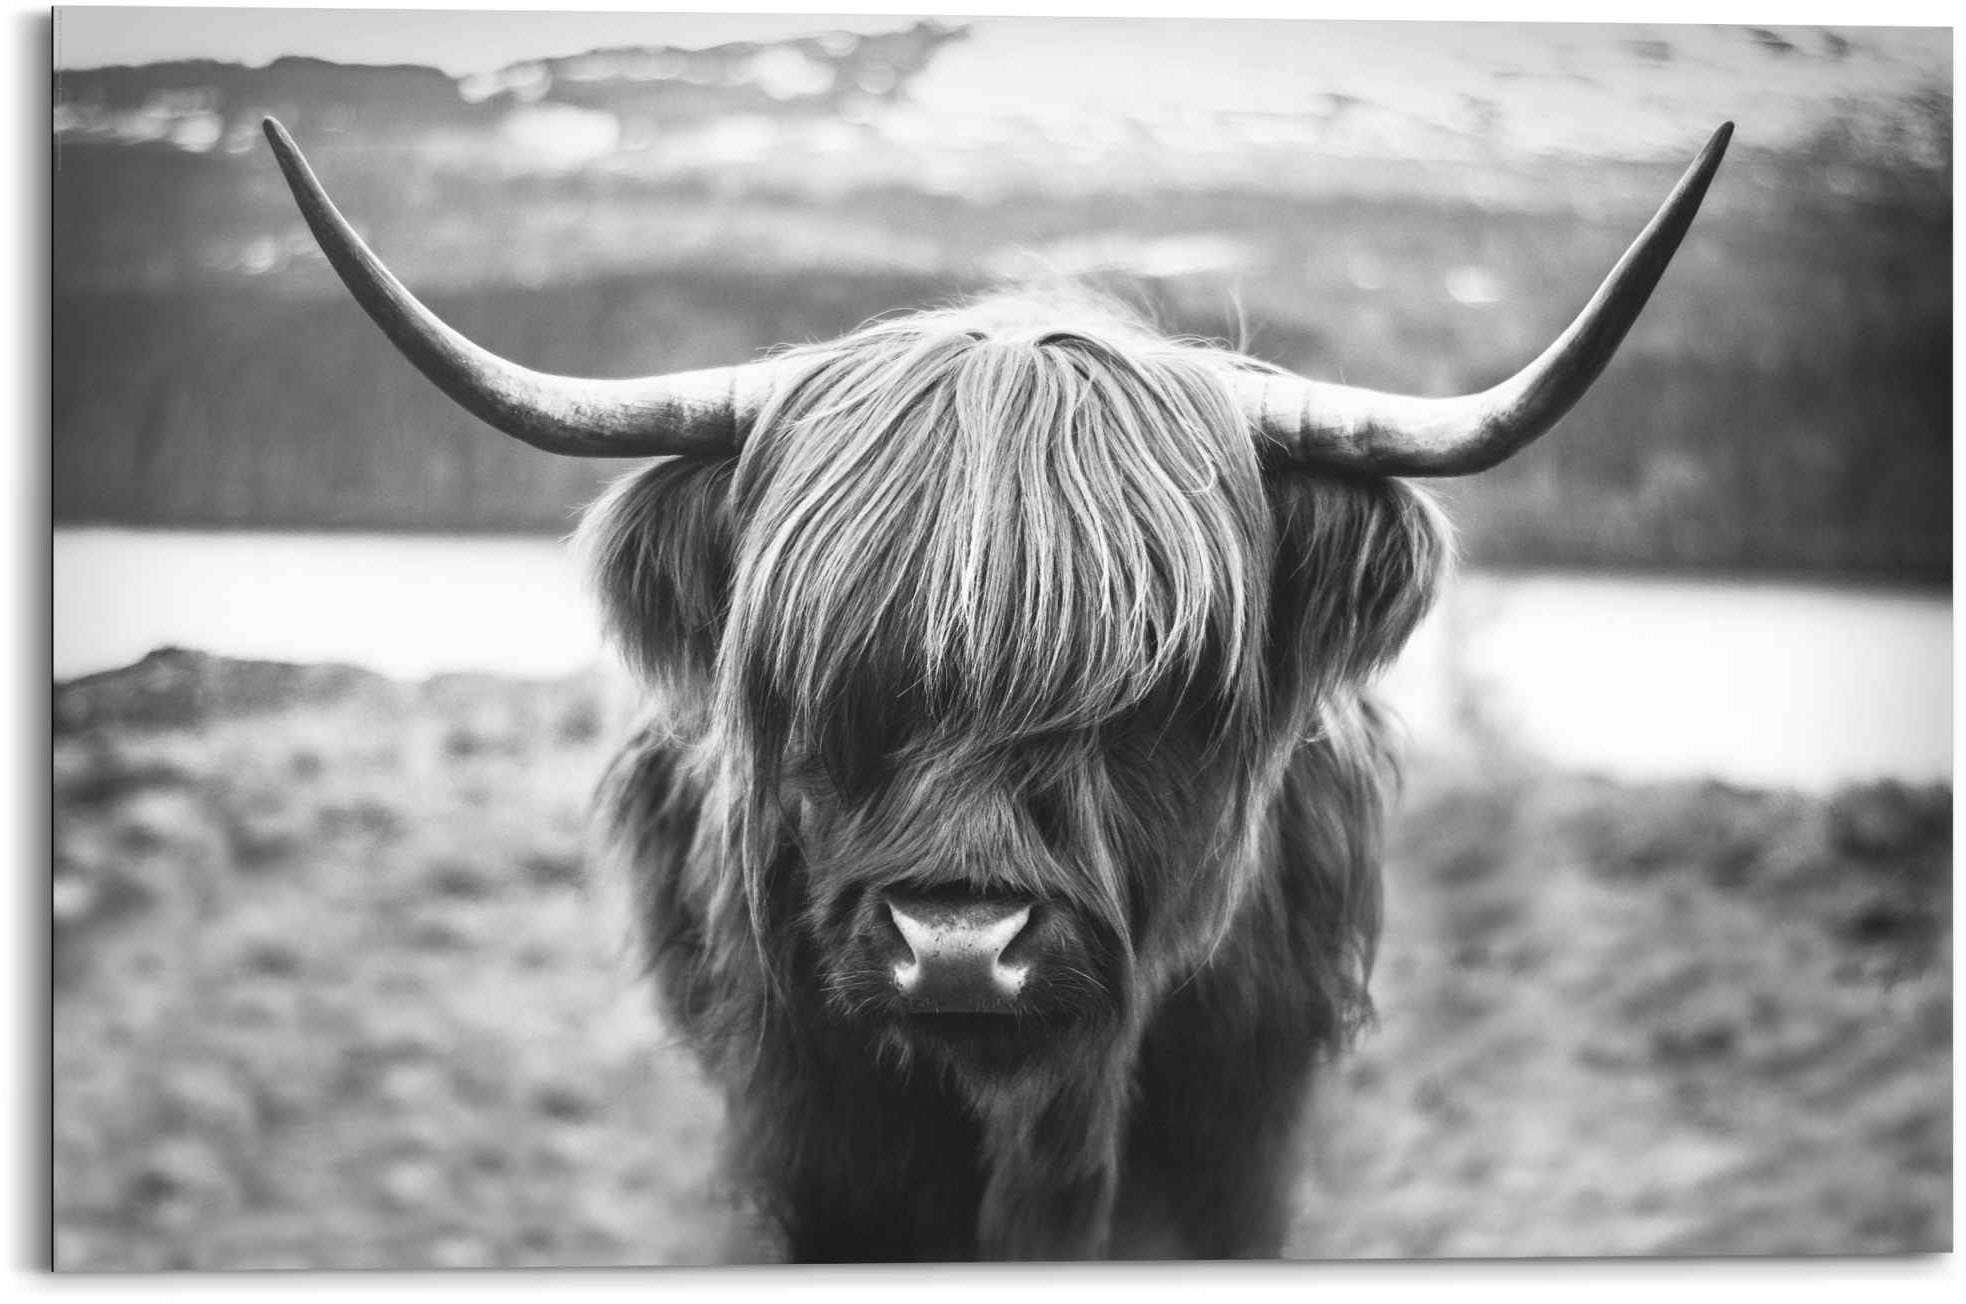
1755,682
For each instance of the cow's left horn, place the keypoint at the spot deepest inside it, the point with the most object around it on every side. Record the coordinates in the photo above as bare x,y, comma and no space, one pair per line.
705,412
1392,434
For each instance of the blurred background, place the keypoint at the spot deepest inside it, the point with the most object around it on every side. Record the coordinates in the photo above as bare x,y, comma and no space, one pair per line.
1667,966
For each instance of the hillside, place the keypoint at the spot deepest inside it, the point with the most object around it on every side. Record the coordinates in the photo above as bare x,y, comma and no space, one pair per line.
1784,404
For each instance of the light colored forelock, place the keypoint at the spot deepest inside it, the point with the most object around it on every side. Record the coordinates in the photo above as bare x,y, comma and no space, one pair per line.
1041,520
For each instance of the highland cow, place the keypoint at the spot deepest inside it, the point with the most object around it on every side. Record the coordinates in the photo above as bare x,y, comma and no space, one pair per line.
1007,828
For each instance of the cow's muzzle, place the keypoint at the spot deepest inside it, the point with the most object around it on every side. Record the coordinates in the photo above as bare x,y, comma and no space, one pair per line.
961,955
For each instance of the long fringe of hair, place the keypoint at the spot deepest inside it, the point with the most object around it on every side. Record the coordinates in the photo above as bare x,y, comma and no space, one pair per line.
999,522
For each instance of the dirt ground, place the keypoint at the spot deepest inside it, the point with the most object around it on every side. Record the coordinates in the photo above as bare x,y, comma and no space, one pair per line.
332,988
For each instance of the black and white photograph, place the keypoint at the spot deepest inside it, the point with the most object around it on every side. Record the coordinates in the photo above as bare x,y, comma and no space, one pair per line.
732,639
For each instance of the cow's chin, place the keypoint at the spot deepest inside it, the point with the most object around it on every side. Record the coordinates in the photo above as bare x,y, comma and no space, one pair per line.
987,1047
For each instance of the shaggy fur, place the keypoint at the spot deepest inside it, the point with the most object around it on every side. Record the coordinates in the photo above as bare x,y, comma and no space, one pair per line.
1003,600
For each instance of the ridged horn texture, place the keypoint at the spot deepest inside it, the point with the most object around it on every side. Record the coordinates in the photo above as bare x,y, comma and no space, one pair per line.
1339,426
705,412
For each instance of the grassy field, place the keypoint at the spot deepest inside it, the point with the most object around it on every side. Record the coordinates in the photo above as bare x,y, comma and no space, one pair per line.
333,988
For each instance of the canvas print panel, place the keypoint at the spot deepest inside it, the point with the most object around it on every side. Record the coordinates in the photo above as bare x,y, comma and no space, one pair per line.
702,639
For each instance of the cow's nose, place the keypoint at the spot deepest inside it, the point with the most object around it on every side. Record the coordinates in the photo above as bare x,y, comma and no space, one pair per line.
957,958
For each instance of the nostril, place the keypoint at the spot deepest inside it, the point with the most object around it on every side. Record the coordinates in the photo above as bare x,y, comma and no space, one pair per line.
957,951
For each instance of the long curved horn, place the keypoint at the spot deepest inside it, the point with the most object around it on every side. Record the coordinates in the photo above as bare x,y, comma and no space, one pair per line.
1392,434
704,412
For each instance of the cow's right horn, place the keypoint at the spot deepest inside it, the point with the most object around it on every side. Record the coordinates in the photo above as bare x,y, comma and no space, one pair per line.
703,412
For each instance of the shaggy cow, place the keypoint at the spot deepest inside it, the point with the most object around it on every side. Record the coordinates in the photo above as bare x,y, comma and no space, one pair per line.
1007,834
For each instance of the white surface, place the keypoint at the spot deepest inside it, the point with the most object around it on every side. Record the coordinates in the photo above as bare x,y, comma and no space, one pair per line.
1760,683
407,605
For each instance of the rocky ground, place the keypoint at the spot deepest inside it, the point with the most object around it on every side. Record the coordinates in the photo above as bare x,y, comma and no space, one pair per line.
332,988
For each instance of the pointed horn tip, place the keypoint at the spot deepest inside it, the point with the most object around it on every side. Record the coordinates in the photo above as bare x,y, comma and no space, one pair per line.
1716,146
277,136
1706,164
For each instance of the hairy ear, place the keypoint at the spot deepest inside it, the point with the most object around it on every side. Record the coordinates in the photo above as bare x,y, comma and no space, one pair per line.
658,546
1358,563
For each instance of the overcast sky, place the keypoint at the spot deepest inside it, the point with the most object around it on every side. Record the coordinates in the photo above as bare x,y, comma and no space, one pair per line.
1550,86
477,39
